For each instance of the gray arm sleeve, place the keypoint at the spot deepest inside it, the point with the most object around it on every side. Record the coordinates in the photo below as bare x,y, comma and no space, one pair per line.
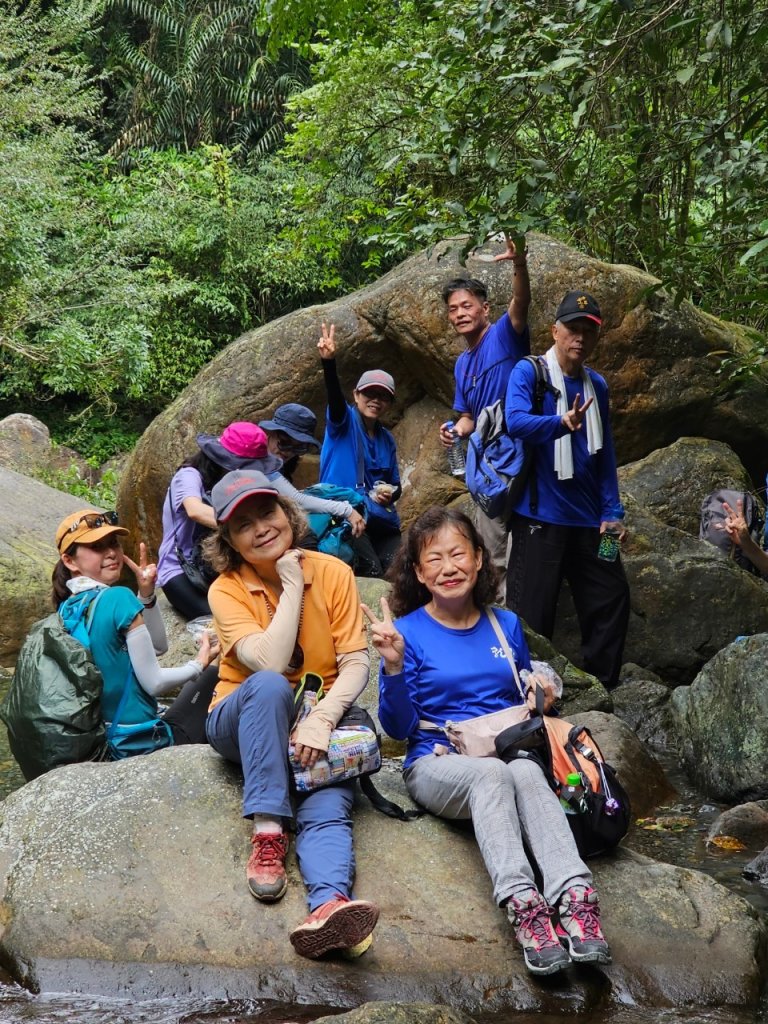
308,502
153,620
153,679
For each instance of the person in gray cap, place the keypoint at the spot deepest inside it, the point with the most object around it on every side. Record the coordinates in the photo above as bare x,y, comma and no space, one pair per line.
359,452
567,524
280,613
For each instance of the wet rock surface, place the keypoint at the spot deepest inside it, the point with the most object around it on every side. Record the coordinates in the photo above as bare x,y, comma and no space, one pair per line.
131,877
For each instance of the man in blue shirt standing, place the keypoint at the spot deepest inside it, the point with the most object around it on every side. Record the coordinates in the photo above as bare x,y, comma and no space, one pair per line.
568,522
482,371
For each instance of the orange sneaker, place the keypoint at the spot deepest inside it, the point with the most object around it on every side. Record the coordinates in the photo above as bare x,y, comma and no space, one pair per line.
338,924
265,871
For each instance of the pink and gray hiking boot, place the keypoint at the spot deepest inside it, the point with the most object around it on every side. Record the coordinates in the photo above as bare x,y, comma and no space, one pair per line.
531,916
579,912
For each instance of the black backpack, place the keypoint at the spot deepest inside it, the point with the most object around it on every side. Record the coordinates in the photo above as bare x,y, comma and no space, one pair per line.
712,522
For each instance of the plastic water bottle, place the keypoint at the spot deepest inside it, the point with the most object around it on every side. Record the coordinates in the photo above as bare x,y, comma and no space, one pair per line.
456,459
572,795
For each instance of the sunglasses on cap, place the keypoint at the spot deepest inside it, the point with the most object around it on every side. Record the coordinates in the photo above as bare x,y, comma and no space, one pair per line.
94,520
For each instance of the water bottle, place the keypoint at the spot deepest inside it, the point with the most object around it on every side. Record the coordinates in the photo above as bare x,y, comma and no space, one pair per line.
456,459
572,795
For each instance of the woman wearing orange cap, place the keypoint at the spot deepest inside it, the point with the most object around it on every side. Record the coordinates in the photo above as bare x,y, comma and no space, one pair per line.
126,633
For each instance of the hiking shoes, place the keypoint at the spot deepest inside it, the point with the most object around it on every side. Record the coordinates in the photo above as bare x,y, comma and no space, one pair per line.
579,912
531,917
338,924
265,871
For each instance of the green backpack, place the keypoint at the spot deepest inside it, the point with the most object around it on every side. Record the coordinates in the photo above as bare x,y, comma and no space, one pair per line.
53,707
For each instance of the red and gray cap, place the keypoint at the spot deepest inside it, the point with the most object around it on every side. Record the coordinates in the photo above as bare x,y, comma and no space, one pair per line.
578,305
377,379
235,487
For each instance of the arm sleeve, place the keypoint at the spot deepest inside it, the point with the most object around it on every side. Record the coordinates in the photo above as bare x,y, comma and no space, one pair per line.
518,345
315,730
272,647
153,679
397,713
337,406
309,502
520,418
153,620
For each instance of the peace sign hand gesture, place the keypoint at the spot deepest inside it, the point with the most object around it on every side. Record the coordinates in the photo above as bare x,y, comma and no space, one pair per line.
145,573
386,639
327,344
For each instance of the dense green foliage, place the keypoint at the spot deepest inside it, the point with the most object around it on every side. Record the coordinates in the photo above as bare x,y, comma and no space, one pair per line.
150,209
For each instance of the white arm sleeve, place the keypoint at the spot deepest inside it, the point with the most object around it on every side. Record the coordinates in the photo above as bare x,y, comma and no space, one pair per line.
153,620
310,503
153,679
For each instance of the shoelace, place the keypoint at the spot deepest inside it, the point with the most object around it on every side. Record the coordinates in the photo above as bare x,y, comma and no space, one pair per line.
535,921
269,847
587,916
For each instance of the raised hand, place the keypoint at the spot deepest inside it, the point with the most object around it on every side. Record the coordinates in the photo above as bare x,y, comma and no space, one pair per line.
735,523
575,415
145,572
327,344
386,639
511,253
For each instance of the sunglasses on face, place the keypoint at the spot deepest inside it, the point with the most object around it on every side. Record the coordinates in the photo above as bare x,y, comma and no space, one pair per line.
287,444
94,521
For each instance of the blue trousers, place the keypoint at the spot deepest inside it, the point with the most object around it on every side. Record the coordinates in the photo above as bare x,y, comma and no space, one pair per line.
251,728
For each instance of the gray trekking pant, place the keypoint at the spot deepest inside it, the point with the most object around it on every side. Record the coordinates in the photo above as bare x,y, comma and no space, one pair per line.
507,803
495,536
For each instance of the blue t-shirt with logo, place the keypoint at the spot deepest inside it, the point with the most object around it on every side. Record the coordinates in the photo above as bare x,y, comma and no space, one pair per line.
453,674
482,372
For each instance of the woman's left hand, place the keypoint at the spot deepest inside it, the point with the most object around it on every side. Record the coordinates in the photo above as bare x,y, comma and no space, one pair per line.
550,695
145,572
306,756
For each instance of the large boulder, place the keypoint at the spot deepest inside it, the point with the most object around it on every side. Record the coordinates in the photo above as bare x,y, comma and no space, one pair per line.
687,599
26,447
721,719
29,514
655,355
131,876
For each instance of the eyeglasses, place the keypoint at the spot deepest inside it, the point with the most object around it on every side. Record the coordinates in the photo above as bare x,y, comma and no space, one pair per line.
289,446
94,521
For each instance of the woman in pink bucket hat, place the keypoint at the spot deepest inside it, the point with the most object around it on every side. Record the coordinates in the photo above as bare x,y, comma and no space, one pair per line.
188,516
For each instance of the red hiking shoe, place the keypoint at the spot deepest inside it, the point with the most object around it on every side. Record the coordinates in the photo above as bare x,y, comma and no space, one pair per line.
265,871
338,924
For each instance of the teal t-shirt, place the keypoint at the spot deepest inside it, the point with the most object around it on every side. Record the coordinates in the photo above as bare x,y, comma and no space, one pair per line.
116,610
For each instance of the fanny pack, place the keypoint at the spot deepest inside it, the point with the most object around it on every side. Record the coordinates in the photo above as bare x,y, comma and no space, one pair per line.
353,749
476,737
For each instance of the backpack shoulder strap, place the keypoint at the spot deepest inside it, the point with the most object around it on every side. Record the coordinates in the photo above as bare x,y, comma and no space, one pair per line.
388,807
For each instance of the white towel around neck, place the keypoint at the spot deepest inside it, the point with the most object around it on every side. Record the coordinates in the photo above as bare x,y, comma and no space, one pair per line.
594,424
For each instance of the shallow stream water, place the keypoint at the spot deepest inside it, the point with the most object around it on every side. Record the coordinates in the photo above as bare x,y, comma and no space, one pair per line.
676,834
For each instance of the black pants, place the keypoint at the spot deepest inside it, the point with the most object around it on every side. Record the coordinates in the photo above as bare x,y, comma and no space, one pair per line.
185,598
187,714
375,549
542,556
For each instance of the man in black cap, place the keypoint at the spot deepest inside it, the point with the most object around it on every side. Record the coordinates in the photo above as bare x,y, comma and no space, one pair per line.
568,522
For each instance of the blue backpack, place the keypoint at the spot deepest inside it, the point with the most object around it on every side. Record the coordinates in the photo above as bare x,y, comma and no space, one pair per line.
333,533
498,466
